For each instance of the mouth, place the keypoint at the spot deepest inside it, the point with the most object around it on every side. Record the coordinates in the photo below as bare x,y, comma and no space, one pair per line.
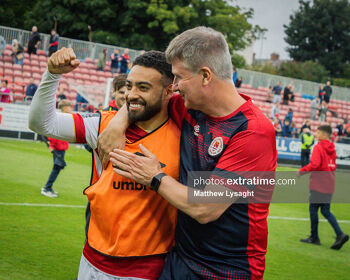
134,106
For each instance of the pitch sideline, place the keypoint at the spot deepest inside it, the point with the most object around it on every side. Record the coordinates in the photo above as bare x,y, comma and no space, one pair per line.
83,206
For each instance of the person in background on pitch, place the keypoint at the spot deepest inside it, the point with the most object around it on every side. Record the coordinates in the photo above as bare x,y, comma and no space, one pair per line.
322,186
119,89
58,149
307,140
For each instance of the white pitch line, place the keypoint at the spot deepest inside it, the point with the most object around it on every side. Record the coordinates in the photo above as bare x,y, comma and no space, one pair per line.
42,205
82,206
303,219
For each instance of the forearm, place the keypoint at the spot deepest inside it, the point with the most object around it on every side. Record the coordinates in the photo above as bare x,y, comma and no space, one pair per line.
43,118
177,195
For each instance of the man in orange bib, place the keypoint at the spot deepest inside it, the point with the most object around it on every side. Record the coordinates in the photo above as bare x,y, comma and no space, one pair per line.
129,227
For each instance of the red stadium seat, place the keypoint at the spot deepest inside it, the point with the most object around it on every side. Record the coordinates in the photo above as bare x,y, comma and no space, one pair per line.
17,67
41,53
34,62
36,69
8,47
88,60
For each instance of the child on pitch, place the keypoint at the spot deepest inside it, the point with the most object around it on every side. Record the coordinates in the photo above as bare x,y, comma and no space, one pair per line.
58,149
322,186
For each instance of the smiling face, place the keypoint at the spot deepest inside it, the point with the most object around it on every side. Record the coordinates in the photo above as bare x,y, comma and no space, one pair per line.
187,84
145,92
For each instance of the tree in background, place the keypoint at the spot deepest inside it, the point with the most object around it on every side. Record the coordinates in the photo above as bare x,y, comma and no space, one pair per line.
308,70
320,32
138,24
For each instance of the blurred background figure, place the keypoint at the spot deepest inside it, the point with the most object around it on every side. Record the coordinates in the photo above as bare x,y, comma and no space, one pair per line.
102,57
115,61
34,41
17,52
307,140
53,46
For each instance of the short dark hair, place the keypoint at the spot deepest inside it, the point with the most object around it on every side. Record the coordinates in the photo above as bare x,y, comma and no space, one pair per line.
119,81
6,82
157,61
325,128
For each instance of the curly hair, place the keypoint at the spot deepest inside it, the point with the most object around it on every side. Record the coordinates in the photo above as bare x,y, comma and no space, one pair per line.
157,61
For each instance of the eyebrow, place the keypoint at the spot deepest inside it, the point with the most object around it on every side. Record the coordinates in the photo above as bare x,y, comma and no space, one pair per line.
140,83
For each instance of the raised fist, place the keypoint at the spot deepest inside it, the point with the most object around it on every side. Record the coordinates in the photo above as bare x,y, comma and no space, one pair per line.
63,61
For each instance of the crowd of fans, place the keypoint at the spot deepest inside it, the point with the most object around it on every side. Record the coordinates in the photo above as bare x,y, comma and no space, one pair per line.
121,63
287,128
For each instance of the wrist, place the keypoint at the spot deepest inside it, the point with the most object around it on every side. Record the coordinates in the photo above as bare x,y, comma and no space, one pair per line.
156,181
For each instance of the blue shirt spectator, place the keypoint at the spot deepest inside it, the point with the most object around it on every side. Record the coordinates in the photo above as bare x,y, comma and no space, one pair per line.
289,116
31,88
286,129
234,75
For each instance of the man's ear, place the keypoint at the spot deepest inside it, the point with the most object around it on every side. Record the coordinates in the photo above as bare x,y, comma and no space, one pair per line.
169,90
207,75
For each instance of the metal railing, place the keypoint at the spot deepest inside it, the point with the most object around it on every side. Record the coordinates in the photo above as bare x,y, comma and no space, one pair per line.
83,49
258,79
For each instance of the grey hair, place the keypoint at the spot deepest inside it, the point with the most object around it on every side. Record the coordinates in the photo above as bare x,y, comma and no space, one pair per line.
199,47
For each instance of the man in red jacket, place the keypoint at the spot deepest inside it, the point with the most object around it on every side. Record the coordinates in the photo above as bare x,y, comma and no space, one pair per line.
58,149
322,186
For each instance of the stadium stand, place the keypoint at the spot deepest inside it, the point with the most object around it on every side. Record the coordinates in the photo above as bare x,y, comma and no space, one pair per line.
35,65
87,74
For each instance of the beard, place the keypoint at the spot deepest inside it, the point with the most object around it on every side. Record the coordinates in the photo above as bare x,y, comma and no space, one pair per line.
147,112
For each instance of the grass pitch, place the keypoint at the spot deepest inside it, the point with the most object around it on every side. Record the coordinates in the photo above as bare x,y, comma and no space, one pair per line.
41,242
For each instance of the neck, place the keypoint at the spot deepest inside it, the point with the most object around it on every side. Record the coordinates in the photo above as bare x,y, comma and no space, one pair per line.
154,122
223,101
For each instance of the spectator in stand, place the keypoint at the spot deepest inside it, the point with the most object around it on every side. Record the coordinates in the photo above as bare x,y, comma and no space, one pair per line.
53,42
234,75
58,149
275,110
321,93
322,185
269,95
327,92
294,130
34,41
313,108
277,126
340,128
61,96
124,61
2,44
17,52
277,93
289,115
31,89
307,140
102,57
287,94
119,89
286,129
323,111
5,96
238,82
115,61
